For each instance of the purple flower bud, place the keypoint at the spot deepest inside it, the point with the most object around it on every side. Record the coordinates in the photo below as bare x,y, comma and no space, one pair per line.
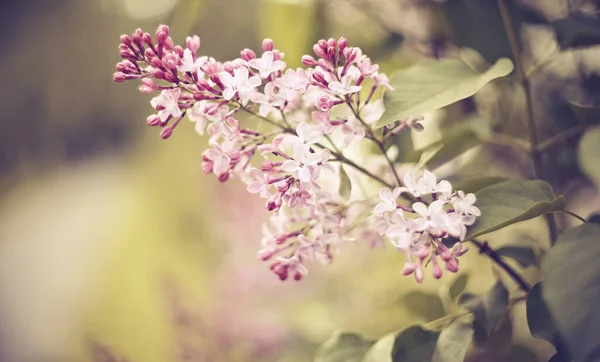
137,39
247,54
153,120
126,40
158,74
147,39
419,274
322,44
267,45
170,77
156,62
342,43
437,271
308,61
193,43
139,32
319,52
331,52
119,77
179,50
452,265
224,177
331,43
169,43
409,268
149,54
319,78
166,132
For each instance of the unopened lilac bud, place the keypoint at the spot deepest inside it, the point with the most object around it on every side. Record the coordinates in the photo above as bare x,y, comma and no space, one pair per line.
193,43
156,62
123,47
319,52
266,166
331,52
274,202
158,74
139,32
147,38
162,29
409,268
137,39
153,120
119,77
126,40
342,43
166,132
322,44
179,50
247,54
350,55
161,37
331,42
148,86
308,61
169,43
267,45
170,77
437,271
149,53
127,54
419,274
224,177
297,276
266,254
170,61
319,78
452,265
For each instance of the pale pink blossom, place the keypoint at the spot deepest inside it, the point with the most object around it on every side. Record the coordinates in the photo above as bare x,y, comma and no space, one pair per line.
292,83
266,64
388,200
345,86
239,83
268,100
306,135
188,64
167,102
259,184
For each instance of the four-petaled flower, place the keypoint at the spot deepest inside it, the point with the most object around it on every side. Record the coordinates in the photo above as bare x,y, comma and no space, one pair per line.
239,83
259,184
345,86
266,65
268,100
388,200
167,103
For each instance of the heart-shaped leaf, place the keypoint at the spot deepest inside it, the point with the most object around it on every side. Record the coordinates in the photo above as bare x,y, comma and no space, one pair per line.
571,289
473,185
510,202
435,84
577,30
486,308
538,317
343,347
381,351
453,342
589,152
414,344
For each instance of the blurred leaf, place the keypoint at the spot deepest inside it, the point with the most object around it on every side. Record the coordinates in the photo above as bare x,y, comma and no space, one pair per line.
414,344
477,24
538,316
586,114
571,274
290,25
453,342
458,286
345,188
434,84
425,305
475,184
589,153
343,347
455,141
486,308
560,357
520,354
510,202
524,255
577,30
381,351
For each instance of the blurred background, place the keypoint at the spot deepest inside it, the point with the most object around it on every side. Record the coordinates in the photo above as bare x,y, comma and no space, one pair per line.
113,244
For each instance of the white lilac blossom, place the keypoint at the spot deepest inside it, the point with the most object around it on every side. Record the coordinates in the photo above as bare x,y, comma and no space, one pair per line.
311,116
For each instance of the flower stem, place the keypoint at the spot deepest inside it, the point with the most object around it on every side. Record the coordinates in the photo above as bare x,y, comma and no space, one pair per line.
578,217
536,156
484,248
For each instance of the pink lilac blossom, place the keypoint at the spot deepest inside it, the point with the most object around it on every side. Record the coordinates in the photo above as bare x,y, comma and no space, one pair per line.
310,116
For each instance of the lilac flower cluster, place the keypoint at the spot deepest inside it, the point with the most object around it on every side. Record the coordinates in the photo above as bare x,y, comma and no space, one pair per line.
311,115
418,230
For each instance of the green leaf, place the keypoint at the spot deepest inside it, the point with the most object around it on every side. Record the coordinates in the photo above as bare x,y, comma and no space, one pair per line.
571,273
345,187
414,344
381,351
487,308
343,347
435,84
510,202
453,342
538,316
458,286
589,153
524,255
424,305
454,142
475,184
577,30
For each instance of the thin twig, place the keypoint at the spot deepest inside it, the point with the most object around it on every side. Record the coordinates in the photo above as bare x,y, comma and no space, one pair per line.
484,248
558,138
578,217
